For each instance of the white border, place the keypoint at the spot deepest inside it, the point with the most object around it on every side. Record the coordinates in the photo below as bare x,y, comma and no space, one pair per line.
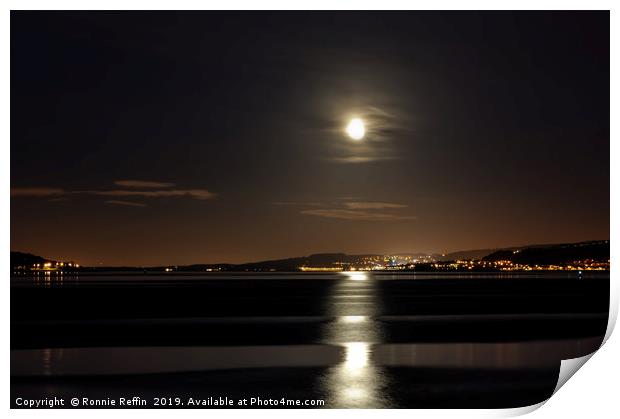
592,393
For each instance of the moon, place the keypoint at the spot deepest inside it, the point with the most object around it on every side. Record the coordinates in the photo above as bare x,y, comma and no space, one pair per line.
356,129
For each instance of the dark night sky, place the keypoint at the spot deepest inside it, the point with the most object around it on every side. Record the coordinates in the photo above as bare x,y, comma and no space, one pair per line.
484,130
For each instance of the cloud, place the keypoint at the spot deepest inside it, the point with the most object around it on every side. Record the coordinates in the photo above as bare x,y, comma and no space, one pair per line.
347,214
303,204
142,184
201,194
372,205
37,192
352,208
362,159
125,203
193,193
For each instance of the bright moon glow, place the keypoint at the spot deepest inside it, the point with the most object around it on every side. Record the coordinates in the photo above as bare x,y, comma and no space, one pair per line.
356,129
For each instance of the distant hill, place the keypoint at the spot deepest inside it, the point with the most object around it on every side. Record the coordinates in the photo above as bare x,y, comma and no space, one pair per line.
554,254
289,264
26,259
465,254
533,254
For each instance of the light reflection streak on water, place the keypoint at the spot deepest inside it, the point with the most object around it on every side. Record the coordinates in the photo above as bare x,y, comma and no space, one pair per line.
356,381
353,319
47,361
356,356
45,279
51,359
356,275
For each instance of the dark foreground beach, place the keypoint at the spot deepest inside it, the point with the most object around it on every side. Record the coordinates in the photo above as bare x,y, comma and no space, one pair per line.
349,339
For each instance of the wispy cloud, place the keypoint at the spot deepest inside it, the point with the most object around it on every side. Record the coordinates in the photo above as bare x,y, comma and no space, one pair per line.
292,203
359,215
142,184
37,192
362,159
359,210
125,203
200,194
167,193
372,205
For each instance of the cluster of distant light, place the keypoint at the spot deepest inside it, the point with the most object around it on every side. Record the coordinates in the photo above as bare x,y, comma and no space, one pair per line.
389,264
351,268
321,269
507,265
47,266
383,263
371,263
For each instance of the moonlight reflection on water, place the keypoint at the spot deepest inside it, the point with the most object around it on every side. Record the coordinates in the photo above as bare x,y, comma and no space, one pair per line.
355,381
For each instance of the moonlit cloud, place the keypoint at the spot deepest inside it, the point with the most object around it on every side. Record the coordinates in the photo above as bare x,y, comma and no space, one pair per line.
125,203
142,184
386,124
358,215
37,192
